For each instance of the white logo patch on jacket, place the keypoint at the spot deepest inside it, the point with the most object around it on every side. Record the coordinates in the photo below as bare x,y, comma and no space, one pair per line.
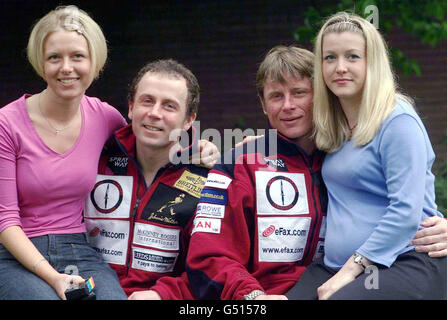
109,238
153,260
282,239
210,210
216,180
110,198
156,237
206,225
281,193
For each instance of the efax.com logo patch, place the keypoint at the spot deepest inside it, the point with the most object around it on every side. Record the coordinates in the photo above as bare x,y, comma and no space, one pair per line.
267,232
283,232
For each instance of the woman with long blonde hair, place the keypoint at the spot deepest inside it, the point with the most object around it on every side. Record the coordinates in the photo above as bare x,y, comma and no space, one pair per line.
377,171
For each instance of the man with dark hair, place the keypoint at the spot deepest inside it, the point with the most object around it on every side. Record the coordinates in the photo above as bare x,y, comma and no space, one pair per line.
173,69
139,213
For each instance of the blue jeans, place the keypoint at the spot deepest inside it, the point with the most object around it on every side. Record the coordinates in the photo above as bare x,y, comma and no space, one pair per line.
67,253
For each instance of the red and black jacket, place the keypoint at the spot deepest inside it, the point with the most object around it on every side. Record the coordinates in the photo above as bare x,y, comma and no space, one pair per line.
142,230
260,220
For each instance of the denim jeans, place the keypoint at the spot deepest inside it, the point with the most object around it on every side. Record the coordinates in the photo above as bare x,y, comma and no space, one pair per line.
67,253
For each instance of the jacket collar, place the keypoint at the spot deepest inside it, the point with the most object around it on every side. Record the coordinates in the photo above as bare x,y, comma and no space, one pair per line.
287,147
126,141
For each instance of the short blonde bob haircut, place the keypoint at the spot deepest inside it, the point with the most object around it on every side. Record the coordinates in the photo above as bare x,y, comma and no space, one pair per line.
69,18
379,91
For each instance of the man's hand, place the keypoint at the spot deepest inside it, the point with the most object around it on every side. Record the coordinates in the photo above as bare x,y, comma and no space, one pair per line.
207,156
246,140
145,295
432,239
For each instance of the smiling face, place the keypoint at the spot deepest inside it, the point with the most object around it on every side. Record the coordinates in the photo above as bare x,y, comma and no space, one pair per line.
288,107
344,65
66,64
158,108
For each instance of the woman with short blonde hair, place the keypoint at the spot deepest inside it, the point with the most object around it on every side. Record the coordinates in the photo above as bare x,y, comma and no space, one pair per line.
69,18
50,143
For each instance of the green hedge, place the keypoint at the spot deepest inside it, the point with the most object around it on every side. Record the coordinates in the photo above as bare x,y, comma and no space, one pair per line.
441,194
441,187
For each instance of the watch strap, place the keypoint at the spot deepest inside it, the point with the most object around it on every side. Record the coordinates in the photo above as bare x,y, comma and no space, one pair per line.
253,295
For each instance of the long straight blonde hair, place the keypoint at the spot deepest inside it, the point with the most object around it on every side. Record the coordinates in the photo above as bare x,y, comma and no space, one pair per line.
379,90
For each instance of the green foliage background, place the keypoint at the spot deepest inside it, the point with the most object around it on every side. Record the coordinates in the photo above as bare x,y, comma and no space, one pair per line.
426,19
440,172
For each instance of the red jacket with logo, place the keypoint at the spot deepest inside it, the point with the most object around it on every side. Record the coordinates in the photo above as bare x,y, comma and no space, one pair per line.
259,222
142,230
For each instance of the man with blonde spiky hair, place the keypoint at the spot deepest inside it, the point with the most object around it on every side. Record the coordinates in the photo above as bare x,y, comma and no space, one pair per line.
261,215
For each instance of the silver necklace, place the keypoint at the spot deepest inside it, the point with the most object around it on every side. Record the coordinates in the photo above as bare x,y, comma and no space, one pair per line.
56,130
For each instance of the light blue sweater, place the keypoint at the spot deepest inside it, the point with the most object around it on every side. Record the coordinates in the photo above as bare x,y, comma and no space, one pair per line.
379,193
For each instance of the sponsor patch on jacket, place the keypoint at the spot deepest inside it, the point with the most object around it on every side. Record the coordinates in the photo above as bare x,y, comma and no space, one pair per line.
153,260
206,225
214,196
120,162
281,193
169,206
210,210
157,237
276,163
190,183
109,238
110,198
219,181
282,239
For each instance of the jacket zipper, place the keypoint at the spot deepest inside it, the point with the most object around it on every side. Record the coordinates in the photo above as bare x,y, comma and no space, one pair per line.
132,217
133,213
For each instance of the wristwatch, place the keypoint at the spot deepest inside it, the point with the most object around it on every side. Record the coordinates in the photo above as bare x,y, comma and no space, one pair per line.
252,295
358,258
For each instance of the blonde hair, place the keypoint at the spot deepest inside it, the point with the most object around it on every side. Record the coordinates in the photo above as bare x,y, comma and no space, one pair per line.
69,18
379,91
282,60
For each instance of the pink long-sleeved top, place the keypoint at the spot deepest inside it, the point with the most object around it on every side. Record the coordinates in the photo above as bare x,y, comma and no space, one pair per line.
41,190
